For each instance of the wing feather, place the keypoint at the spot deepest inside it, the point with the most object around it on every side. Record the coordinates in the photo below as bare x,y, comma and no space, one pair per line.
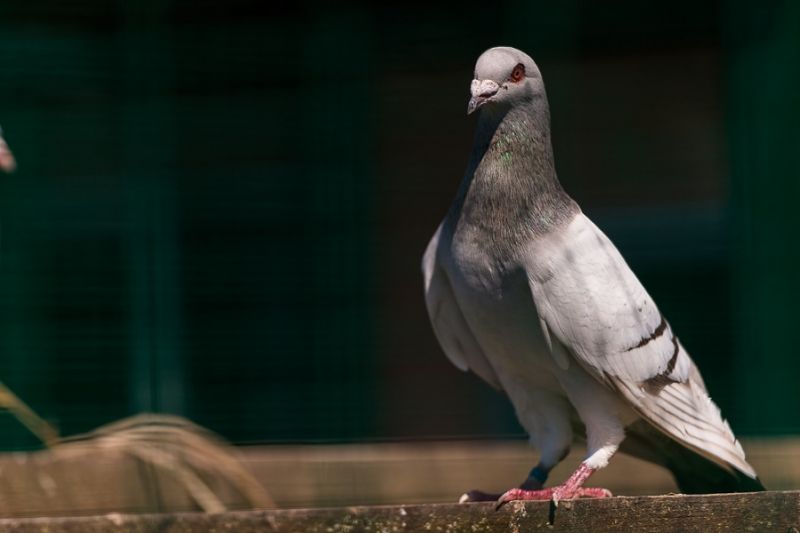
449,324
592,302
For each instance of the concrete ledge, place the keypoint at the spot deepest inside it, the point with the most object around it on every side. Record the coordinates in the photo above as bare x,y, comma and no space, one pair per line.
759,512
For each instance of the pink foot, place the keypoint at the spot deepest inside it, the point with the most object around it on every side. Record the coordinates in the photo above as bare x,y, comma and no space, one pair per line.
571,488
533,482
556,494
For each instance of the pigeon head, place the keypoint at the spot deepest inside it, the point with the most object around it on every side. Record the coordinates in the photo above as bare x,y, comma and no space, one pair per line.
504,77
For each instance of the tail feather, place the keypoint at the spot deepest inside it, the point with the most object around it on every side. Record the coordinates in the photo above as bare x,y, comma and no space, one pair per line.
694,473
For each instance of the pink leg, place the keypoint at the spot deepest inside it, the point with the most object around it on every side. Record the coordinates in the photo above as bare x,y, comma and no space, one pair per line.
571,488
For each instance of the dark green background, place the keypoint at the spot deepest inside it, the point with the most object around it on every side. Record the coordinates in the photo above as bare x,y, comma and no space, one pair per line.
220,207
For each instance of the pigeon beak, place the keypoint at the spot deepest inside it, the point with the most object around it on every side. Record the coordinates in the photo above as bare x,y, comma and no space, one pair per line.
482,91
7,162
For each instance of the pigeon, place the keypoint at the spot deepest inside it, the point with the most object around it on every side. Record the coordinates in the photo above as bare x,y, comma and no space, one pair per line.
7,162
525,291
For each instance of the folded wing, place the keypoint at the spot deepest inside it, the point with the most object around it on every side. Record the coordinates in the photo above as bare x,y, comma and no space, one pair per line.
590,300
448,322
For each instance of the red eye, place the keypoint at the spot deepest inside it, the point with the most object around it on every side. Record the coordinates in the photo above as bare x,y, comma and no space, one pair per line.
517,74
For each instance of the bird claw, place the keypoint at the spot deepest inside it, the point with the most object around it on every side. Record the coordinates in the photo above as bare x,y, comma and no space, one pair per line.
555,494
523,494
595,492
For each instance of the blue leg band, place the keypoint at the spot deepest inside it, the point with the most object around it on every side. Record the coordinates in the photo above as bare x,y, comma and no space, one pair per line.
538,474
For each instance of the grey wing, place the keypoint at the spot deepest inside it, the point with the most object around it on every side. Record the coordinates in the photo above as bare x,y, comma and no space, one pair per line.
589,299
451,329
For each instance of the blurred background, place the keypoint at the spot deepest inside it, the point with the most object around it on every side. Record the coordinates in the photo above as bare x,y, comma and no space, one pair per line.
221,207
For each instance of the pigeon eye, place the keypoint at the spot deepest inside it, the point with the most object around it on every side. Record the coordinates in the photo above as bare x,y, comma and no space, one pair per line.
517,74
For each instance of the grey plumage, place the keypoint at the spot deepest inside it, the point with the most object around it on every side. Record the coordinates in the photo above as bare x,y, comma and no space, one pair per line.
529,294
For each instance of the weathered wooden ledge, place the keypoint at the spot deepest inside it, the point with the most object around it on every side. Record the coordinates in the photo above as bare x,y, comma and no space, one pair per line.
759,512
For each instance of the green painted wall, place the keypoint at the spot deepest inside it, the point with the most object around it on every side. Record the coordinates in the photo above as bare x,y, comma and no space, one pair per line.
220,207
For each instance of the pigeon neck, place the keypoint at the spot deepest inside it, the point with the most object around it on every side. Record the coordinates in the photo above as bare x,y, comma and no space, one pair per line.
517,138
511,181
